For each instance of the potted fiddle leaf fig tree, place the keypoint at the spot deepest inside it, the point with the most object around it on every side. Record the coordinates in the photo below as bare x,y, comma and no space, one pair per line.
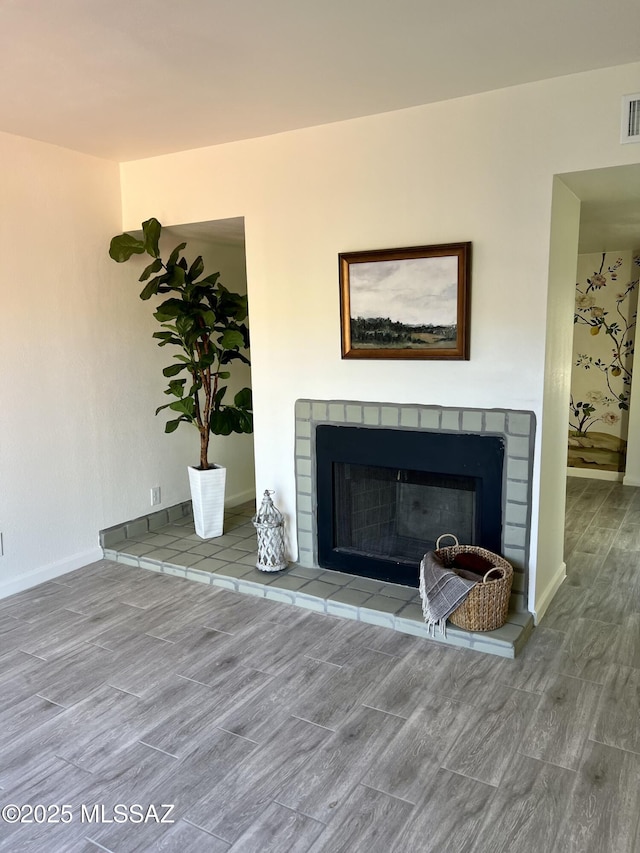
205,322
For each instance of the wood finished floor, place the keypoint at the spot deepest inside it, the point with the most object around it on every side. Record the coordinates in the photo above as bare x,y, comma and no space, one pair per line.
276,729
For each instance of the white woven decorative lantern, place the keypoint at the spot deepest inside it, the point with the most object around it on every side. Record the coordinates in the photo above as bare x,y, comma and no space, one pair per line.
269,525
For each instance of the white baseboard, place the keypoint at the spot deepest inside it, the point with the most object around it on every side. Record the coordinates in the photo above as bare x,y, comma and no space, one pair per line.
630,481
47,573
547,596
240,498
592,474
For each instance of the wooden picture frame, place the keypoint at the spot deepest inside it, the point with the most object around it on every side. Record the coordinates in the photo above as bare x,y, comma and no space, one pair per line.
408,303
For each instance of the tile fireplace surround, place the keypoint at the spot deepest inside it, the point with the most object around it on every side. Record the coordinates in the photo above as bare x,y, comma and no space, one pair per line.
516,428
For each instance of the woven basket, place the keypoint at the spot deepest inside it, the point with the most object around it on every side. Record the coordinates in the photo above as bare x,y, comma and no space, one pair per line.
486,606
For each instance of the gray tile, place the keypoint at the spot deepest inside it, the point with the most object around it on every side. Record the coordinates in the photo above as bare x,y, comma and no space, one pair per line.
329,701
231,555
384,604
532,669
184,560
276,829
232,570
412,611
158,539
448,817
287,581
409,684
161,555
391,590
335,578
627,649
527,808
230,807
366,820
353,597
211,564
324,782
588,649
616,722
423,741
206,550
608,602
559,726
366,585
305,572
602,811
485,748
567,605
319,589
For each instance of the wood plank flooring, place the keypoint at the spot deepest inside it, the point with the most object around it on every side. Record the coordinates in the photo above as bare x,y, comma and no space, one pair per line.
270,728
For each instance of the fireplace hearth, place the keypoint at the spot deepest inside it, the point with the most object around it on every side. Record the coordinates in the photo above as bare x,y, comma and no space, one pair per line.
392,498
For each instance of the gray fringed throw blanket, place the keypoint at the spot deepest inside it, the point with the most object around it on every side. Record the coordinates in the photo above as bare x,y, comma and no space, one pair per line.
441,591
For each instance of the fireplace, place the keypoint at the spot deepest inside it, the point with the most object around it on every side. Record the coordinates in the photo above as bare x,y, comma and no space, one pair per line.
384,496
390,498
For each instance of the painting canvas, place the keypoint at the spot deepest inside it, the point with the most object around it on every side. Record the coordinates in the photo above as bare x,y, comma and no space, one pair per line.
405,303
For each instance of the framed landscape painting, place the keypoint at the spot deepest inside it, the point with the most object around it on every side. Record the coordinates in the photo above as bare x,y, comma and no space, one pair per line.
406,303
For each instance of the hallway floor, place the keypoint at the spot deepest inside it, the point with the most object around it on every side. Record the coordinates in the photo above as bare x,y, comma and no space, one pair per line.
271,728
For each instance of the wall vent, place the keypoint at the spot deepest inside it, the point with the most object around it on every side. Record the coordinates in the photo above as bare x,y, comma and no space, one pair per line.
630,122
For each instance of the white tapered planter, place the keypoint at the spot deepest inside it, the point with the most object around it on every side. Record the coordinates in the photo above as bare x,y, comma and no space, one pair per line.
207,500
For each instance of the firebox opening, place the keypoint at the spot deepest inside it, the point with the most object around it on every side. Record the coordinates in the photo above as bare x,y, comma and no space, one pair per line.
385,496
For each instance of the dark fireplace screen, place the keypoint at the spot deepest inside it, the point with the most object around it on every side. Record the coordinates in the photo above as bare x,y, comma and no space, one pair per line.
385,496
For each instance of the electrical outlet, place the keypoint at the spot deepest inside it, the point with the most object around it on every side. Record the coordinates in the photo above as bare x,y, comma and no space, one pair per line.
155,496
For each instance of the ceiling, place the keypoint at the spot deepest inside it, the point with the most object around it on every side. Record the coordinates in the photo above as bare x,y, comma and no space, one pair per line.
127,79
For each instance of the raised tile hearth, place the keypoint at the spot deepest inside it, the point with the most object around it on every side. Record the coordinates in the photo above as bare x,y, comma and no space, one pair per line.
166,542
516,429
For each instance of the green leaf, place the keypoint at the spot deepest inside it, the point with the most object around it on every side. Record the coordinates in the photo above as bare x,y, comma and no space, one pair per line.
185,407
233,355
231,339
150,289
243,399
151,230
155,266
173,369
173,257
170,309
196,269
176,387
210,279
220,422
172,426
246,422
217,398
123,247
175,279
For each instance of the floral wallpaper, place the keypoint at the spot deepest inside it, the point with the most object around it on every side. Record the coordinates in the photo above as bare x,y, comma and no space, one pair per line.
604,334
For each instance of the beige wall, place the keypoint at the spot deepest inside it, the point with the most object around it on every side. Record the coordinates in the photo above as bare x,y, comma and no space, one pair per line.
478,168
79,444
550,566
56,208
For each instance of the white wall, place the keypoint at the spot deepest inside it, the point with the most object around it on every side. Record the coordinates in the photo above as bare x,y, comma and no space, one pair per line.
79,444
478,168
565,222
